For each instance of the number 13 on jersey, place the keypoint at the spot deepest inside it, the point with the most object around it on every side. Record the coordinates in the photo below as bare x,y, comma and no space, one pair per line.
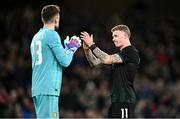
36,51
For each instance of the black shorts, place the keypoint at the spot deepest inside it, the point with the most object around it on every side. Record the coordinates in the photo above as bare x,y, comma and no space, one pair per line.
121,110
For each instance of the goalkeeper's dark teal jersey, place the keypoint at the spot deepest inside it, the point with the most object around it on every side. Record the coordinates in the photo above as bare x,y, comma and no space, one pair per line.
123,75
48,59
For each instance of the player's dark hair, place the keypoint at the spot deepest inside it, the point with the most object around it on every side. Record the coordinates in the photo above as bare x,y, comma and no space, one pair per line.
48,12
122,28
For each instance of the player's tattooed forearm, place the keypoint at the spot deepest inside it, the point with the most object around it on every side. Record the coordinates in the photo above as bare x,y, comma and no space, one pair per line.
100,54
116,58
88,57
105,58
93,60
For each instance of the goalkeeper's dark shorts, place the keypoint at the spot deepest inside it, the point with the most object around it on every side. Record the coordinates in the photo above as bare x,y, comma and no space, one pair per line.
121,110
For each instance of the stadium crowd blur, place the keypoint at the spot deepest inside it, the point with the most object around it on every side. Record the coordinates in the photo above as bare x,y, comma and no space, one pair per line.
85,91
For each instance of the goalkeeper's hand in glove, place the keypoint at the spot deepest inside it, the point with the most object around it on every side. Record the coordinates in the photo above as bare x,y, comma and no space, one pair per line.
72,44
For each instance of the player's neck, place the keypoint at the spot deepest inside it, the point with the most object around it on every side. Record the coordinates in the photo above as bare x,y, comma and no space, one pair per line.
50,26
125,45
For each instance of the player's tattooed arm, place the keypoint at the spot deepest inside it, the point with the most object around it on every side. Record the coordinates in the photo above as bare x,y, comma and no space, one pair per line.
105,58
93,60
116,58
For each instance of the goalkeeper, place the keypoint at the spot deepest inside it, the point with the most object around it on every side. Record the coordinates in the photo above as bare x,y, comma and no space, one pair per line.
124,66
48,59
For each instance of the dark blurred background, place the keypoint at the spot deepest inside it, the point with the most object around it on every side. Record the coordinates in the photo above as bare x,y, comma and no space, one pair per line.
155,27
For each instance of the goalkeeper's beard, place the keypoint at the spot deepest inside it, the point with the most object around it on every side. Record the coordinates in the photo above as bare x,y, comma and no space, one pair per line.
56,27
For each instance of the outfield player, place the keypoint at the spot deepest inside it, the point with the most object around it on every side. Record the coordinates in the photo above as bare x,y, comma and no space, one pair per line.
124,67
48,59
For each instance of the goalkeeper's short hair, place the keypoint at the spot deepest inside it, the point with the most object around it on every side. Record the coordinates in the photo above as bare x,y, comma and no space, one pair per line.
48,12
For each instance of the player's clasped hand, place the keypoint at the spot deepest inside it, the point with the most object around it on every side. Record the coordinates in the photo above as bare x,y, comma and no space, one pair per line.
87,38
73,43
